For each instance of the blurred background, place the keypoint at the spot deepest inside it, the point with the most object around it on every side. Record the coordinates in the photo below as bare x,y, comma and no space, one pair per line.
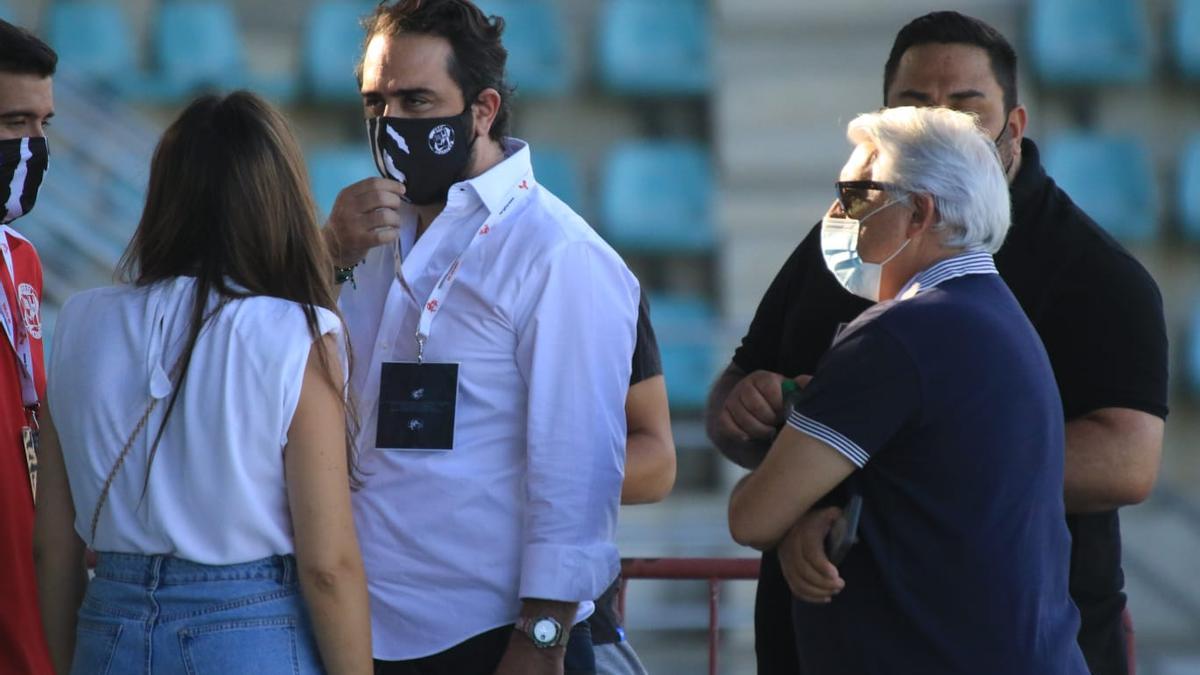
701,138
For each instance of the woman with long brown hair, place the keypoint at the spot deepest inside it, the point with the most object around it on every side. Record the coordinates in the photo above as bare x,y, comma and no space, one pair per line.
203,426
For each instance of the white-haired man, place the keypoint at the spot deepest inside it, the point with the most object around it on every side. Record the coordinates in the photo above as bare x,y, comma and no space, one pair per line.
938,407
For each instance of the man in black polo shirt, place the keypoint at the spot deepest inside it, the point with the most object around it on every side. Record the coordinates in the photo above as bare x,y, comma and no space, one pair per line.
938,408
1096,309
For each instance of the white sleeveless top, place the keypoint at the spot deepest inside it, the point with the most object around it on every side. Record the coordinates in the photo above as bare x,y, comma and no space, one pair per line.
216,493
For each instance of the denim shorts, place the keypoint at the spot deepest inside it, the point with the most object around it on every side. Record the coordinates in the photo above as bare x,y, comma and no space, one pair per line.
163,615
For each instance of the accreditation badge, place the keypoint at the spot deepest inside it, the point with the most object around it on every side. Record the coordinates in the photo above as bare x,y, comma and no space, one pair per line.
417,403
29,441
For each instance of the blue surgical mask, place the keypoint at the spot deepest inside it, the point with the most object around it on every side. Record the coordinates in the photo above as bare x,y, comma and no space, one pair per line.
839,247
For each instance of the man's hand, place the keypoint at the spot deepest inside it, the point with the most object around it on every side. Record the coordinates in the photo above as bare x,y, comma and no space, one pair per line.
743,412
809,573
753,410
365,215
523,658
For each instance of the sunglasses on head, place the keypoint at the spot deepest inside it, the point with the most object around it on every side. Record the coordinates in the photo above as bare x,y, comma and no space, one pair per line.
858,196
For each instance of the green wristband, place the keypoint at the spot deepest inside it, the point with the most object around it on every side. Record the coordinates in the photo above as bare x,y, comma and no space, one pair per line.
343,274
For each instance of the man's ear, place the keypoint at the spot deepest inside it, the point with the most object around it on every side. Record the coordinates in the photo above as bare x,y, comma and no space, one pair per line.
484,109
1017,121
924,214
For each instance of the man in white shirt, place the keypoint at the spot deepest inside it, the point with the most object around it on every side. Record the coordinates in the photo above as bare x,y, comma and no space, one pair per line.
492,332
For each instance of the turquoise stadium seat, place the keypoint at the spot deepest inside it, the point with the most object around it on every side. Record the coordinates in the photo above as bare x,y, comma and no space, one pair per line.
94,42
198,47
656,197
1185,38
1189,190
333,42
1089,42
685,327
558,172
1110,178
1193,352
333,168
655,47
535,35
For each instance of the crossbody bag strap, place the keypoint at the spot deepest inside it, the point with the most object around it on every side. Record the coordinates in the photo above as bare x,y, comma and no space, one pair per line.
112,474
117,467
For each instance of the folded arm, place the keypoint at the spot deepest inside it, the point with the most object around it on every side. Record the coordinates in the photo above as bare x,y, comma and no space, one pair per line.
798,470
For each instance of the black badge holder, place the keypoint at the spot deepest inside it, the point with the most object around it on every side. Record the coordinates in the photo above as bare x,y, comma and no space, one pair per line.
416,406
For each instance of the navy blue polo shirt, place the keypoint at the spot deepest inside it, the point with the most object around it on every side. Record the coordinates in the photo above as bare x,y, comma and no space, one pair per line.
945,401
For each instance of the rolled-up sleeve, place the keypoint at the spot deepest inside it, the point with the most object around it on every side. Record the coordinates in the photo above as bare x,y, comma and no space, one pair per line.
575,347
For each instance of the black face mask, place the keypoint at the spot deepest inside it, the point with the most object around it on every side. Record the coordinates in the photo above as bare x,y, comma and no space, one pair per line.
23,162
428,155
1007,163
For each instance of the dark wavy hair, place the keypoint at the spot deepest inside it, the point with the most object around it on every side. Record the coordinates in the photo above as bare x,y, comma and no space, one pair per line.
478,57
22,53
953,28
228,201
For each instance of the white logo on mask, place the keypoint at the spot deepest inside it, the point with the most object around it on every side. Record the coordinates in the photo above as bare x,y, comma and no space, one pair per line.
441,139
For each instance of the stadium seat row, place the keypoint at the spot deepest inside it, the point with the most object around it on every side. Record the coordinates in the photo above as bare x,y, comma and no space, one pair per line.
656,196
1094,42
195,46
643,47
1113,179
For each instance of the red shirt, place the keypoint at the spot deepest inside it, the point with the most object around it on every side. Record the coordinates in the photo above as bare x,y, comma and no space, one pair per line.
22,645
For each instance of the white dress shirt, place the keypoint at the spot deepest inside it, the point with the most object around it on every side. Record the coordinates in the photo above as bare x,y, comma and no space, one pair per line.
541,318
216,493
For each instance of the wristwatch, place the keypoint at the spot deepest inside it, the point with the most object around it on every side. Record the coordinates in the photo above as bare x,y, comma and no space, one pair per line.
544,631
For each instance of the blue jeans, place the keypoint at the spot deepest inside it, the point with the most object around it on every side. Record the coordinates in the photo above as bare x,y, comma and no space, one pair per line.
163,615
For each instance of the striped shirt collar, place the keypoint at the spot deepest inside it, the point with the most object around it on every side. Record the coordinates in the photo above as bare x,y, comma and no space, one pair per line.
968,262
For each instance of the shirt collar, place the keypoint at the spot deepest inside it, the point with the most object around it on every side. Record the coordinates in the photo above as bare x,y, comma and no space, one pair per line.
968,262
493,186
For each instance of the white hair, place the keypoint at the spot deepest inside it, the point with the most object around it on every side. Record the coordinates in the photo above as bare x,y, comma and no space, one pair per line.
945,154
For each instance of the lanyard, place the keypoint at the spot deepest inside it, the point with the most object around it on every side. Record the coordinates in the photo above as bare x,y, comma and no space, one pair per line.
17,333
437,297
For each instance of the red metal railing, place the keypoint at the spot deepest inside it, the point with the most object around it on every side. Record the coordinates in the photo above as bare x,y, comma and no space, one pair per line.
715,570
712,570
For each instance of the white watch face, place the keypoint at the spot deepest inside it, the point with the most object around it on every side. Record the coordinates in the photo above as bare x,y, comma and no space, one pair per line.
545,631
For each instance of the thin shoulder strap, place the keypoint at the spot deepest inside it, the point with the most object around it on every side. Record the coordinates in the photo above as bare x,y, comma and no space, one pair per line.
112,474
117,467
